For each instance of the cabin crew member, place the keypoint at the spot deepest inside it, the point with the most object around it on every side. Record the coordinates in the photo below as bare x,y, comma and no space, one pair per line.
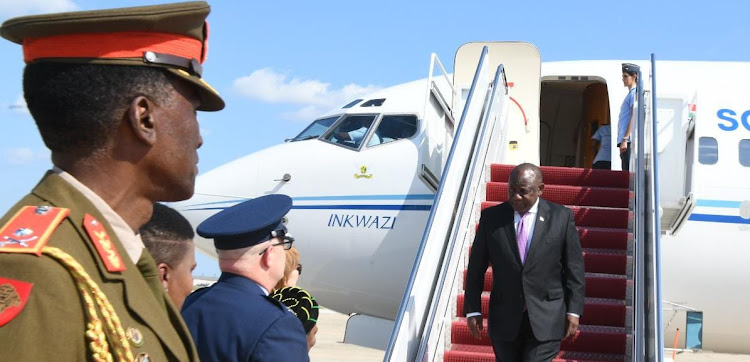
603,140
114,100
538,285
627,111
235,319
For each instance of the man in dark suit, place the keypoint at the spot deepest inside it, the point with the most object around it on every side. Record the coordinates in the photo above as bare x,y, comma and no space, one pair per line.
236,319
538,276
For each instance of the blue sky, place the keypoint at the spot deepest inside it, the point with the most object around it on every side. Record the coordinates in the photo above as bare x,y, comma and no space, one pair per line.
280,63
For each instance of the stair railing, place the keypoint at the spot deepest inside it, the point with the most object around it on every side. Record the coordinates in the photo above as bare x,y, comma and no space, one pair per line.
490,137
648,336
409,329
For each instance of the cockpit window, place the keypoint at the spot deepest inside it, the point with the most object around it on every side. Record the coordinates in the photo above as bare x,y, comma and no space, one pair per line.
316,129
352,103
393,128
373,102
351,131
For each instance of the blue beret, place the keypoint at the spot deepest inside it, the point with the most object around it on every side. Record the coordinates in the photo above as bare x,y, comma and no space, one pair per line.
248,223
630,68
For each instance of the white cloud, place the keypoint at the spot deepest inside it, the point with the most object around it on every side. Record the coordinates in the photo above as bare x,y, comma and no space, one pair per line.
23,155
314,96
10,9
306,113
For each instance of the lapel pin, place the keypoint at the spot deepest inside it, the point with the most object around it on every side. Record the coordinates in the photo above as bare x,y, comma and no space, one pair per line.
541,218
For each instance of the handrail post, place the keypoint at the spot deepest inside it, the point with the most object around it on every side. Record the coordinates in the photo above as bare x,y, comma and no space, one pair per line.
656,225
638,234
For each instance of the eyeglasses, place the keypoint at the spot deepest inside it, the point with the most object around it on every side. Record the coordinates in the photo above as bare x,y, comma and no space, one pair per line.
299,268
286,243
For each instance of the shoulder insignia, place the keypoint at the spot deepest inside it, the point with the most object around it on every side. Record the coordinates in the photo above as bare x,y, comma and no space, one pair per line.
30,228
104,246
13,297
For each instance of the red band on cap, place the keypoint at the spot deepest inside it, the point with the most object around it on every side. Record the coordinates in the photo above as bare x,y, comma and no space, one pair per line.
112,45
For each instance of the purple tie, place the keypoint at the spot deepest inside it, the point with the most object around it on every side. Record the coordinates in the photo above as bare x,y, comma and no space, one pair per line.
522,235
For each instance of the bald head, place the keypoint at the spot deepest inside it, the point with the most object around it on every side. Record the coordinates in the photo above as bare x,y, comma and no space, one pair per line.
525,185
527,171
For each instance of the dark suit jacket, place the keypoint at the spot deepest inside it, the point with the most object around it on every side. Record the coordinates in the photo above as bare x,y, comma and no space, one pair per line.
52,324
234,321
550,283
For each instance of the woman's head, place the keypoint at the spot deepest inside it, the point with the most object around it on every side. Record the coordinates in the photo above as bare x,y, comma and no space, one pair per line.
291,273
629,74
168,236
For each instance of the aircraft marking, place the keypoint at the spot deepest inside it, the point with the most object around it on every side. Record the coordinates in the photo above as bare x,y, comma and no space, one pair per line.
365,207
361,221
728,219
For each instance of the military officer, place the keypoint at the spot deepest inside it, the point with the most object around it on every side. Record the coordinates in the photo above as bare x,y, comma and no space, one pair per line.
114,95
235,319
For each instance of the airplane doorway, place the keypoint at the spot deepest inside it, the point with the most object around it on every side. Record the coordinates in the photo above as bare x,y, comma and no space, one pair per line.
571,109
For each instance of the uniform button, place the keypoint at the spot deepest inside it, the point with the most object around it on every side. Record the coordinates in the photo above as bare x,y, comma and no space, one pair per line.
143,357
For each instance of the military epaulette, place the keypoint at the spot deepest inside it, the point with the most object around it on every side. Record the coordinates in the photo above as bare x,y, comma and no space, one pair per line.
104,246
30,228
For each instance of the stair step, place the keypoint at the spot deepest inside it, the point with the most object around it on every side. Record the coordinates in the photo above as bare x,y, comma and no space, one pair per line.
602,312
607,263
471,352
590,339
608,286
605,238
591,216
602,238
569,176
569,195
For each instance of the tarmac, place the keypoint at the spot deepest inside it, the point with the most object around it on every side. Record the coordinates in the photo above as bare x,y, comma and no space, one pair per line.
701,356
330,346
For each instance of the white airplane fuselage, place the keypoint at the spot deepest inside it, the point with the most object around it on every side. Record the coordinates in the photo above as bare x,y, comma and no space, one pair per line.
359,213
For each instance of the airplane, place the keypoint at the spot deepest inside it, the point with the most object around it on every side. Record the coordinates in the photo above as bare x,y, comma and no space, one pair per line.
364,177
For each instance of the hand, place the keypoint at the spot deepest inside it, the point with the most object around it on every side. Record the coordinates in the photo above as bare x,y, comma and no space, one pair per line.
571,326
475,325
623,146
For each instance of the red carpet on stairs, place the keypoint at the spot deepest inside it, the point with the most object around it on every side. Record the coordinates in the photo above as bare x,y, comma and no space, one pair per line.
599,200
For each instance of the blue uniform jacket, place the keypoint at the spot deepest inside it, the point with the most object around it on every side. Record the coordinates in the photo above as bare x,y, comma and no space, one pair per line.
234,320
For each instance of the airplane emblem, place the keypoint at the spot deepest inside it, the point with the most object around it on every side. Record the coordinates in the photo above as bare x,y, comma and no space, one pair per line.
362,173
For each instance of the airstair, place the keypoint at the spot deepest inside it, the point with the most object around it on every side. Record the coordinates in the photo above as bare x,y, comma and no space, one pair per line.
614,214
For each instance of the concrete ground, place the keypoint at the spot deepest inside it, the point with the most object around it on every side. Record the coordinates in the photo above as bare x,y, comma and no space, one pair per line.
330,347
705,356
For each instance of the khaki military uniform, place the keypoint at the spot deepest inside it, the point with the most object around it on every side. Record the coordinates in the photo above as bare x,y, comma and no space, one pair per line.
52,324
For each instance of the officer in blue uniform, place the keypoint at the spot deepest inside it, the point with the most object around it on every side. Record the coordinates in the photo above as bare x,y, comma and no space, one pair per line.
236,319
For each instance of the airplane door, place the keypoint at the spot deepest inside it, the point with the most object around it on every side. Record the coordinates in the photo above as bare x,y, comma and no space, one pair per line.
522,63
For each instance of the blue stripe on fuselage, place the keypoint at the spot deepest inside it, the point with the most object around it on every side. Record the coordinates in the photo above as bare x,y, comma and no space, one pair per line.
727,219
